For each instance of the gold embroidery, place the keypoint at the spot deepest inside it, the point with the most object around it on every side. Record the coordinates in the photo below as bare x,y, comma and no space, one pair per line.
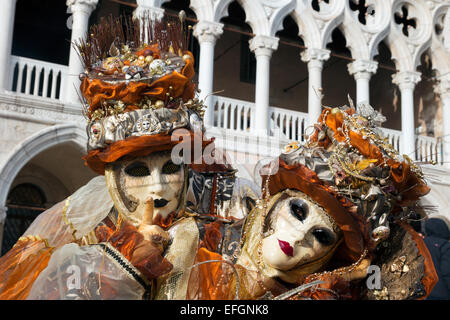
34,238
66,220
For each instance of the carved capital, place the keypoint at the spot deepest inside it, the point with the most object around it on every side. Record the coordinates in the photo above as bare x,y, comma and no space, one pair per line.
207,31
406,79
263,45
146,9
443,87
86,6
362,68
314,54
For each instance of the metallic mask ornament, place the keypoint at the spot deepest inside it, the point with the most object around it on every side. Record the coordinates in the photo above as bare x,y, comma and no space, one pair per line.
380,233
297,232
132,182
118,127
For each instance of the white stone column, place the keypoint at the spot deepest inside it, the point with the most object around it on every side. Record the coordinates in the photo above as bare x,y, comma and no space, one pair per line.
148,8
81,11
443,89
406,81
207,34
362,71
6,37
263,47
315,59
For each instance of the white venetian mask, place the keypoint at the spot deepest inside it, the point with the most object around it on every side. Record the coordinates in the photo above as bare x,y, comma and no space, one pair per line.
132,182
298,232
145,125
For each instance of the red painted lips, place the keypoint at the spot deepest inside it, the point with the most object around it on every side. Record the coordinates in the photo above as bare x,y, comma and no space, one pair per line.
286,248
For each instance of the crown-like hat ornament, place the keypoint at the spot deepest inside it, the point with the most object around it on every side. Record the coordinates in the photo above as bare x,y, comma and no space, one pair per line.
137,79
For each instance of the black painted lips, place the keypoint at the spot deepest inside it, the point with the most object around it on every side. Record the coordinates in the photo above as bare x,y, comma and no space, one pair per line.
159,203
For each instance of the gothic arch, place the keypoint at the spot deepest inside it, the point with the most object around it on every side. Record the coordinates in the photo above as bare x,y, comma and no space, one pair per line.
439,55
265,17
32,146
407,49
363,39
211,11
316,27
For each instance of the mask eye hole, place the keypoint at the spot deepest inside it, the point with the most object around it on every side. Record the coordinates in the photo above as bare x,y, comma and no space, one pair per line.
324,236
299,209
169,167
137,169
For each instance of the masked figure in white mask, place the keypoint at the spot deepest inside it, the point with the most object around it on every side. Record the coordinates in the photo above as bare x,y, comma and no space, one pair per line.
135,231
335,209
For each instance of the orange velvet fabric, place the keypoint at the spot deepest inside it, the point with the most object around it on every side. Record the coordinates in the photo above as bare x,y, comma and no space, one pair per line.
405,181
96,91
301,178
154,48
332,288
126,239
165,222
20,267
430,277
212,237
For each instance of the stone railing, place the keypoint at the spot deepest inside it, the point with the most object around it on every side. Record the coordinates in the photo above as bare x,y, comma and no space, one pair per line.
238,115
429,149
289,125
394,137
232,114
37,78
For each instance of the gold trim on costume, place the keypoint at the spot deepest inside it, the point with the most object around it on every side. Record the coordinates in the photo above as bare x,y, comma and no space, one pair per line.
66,220
34,238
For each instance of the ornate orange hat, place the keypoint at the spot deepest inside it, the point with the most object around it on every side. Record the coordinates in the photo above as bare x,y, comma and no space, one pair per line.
137,89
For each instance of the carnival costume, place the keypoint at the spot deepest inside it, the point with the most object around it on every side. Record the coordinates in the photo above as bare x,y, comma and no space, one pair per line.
334,210
154,227
136,231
